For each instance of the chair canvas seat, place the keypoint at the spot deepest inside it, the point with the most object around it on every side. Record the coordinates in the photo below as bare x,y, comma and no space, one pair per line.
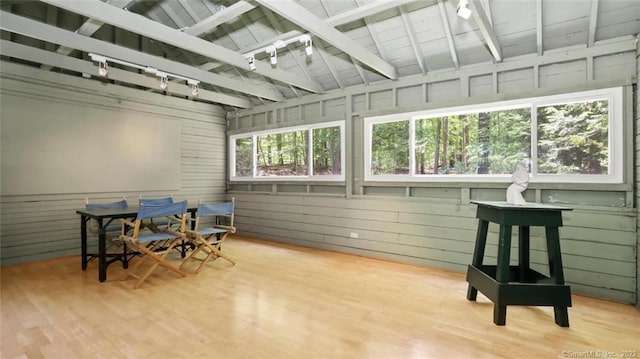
153,237
208,231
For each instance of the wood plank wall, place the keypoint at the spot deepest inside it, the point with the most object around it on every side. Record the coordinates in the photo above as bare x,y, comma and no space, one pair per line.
34,227
636,156
434,224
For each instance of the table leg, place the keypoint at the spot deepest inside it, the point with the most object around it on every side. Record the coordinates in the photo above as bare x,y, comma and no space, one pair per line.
478,254
555,272
502,272
102,252
523,253
83,240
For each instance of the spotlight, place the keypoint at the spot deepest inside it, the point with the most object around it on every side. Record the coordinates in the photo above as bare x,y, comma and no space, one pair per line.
164,80
252,61
194,87
273,55
307,44
463,9
103,69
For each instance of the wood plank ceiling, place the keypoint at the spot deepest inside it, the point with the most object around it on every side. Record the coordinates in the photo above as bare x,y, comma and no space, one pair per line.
354,42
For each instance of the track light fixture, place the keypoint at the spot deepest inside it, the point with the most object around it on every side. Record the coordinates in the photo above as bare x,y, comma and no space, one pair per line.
463,9
164,76
273,55
272,49
194,87
103,68
308,49
251,58
164,80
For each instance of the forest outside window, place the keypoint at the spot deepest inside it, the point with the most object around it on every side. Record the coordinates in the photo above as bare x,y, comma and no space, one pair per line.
314,152
573,137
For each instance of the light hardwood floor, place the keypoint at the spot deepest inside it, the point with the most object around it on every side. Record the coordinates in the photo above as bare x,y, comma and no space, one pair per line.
283,301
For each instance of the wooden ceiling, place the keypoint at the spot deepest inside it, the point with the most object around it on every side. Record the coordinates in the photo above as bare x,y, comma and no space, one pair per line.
354,42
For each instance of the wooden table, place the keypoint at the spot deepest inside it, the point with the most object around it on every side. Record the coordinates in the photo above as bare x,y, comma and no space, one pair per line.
104,217
507,285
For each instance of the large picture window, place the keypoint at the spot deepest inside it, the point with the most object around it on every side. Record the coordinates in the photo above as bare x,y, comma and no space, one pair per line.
296,153
563,138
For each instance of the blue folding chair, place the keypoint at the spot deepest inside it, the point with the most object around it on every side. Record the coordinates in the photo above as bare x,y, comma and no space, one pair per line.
156,245
112,232
208,238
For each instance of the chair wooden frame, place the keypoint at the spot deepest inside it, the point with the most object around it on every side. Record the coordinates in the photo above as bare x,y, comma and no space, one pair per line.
209,239
155,245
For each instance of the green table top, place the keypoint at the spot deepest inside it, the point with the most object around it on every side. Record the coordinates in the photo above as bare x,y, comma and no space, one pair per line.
526,207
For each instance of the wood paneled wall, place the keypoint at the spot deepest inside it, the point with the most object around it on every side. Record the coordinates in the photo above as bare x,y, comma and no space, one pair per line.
433,223
34,227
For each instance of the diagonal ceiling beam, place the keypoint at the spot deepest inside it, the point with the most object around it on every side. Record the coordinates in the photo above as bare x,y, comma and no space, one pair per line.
29,53
593,22
89,27
151,29
38,30
305,19
484,25
447,31
539,27
364,11
210,23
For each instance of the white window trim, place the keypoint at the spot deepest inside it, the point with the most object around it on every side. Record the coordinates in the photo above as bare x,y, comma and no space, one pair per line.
306,178
616,139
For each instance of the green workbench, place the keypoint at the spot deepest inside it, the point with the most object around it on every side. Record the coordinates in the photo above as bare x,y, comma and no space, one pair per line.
505,284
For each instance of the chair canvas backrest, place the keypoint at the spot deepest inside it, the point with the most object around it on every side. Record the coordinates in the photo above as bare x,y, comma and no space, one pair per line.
119,204
155,201
214,210
149,211
217,209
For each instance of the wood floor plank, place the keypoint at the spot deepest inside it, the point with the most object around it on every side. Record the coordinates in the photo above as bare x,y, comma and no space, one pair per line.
283,301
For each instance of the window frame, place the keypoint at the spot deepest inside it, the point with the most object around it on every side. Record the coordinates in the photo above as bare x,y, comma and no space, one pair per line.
616,139
308,177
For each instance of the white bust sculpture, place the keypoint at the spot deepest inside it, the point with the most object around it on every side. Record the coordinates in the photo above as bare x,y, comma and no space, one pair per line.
520,180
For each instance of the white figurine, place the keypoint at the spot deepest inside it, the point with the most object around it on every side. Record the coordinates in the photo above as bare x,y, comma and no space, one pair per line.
520,180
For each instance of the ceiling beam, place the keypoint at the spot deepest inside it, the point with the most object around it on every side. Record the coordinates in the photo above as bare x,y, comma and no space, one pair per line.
324,57
539,43
305,19
151,29
406,21
593,22
15,50
484,25
447,31
38,30
364,11
210,23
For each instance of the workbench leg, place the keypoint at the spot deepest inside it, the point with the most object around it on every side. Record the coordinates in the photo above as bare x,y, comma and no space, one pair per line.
499,314
502,272
556,272
478,254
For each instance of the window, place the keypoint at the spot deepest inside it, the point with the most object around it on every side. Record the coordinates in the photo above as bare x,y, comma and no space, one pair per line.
573,137
314,152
